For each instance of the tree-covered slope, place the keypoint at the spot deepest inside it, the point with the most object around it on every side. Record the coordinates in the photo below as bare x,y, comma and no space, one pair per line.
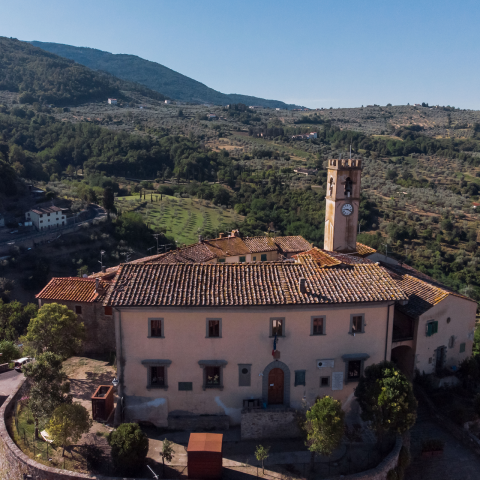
42,76
154,76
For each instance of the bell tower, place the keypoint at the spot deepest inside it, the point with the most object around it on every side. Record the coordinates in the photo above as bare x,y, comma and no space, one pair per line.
343,200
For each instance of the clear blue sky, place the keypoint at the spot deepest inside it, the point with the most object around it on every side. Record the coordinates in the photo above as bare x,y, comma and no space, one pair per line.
340,53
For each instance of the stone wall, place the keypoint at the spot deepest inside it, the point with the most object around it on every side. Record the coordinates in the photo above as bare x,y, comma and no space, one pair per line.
380,472
99,328
14,463
269,424
198,422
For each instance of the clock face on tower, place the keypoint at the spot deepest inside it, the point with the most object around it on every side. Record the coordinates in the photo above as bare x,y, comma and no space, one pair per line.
347,209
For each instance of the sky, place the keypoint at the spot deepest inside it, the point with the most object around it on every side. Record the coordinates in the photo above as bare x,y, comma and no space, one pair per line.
315,53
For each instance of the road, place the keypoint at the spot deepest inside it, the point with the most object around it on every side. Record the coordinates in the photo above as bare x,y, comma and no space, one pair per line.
95,211
9,381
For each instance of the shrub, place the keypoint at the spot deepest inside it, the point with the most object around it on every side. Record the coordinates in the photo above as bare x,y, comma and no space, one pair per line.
129,447
9,351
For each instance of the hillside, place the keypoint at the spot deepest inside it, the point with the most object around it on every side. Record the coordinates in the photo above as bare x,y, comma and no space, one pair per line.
47,78
154,76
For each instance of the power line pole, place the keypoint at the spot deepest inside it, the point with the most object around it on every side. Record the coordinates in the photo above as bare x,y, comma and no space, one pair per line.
156,235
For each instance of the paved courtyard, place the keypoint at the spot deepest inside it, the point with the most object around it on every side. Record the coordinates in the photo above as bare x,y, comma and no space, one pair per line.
456,463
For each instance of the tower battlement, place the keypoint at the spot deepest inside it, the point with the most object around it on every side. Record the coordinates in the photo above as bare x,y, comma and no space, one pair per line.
345,163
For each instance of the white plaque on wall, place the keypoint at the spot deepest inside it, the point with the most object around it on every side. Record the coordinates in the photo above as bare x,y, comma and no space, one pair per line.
337,381
326,363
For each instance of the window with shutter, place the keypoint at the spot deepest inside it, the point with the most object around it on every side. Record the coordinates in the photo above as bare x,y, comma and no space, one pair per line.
264,257
185,386
431,328
244,379
462,347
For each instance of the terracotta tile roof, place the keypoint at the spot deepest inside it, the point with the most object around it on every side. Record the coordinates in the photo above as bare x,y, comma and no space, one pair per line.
249,284
321,257
74,289
293,244
227,247
364,249
260,244
196,253
423,291
49,209
325,258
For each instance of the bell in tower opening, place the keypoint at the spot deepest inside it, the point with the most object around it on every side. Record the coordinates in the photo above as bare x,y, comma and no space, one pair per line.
343,200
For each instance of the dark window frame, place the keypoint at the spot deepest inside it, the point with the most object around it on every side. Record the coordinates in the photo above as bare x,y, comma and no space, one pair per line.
263,257
205,365
272,331
242,259
78,309
151,370
324,377
108,311
324,325
431,328
207,334
352,317
357,357
162,327
463,347
298,375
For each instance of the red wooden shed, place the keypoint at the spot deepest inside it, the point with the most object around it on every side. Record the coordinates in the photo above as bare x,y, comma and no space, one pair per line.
205,455
102,403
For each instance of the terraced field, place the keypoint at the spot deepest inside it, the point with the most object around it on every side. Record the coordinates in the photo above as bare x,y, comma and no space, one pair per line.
182,219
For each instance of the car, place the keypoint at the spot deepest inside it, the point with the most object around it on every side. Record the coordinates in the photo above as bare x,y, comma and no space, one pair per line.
21,362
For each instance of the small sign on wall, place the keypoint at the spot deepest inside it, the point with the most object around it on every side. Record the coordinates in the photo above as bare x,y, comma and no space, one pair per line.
326,363
337,381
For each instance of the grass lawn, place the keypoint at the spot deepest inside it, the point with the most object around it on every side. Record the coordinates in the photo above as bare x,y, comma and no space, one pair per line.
183,219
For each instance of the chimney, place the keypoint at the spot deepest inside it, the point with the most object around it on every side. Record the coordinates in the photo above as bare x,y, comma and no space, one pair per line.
200,239
104,269
302,285
221,235
97,284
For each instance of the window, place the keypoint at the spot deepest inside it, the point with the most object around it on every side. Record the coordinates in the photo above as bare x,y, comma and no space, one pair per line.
214,328
254,259
299,377
264,257
157,373
354,369
462,347
451,341
318,326
324,381
78,309
242,259
48,215
244,379
212,373
357,323
108,311
212,376
155,328
221,260
277,327
157,377
185,386
431,328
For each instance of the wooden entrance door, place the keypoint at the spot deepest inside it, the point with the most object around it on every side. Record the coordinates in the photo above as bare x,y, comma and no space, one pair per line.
275,386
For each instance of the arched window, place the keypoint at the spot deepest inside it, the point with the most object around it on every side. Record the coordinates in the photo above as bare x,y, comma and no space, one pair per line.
348,187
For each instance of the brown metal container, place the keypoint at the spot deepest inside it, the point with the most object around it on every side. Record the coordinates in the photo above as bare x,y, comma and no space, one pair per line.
205,455
102,403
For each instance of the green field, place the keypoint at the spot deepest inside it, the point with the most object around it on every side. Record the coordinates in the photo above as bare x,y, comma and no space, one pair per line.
182,219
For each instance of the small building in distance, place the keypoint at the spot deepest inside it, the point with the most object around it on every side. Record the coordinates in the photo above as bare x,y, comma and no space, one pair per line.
45,218
306,171
112,101
211,116
305,136
168,101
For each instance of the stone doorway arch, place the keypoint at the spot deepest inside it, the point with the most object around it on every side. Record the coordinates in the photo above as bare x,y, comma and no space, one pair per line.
286,383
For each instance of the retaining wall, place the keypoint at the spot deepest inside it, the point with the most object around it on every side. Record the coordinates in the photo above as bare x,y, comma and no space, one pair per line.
269,424
198,422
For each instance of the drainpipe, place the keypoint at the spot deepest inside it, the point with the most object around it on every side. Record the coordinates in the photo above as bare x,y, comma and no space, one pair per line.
118,411
386,337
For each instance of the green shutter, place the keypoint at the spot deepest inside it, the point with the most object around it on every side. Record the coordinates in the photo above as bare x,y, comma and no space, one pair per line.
264,257
299,377
185,386
462,347
434,327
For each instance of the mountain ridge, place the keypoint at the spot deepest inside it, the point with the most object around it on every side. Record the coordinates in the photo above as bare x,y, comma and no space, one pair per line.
154,75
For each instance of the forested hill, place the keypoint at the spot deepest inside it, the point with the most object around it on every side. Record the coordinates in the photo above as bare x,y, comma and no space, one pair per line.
154,76
44,77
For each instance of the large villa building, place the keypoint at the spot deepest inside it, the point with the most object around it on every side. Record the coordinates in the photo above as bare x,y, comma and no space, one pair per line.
201,338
